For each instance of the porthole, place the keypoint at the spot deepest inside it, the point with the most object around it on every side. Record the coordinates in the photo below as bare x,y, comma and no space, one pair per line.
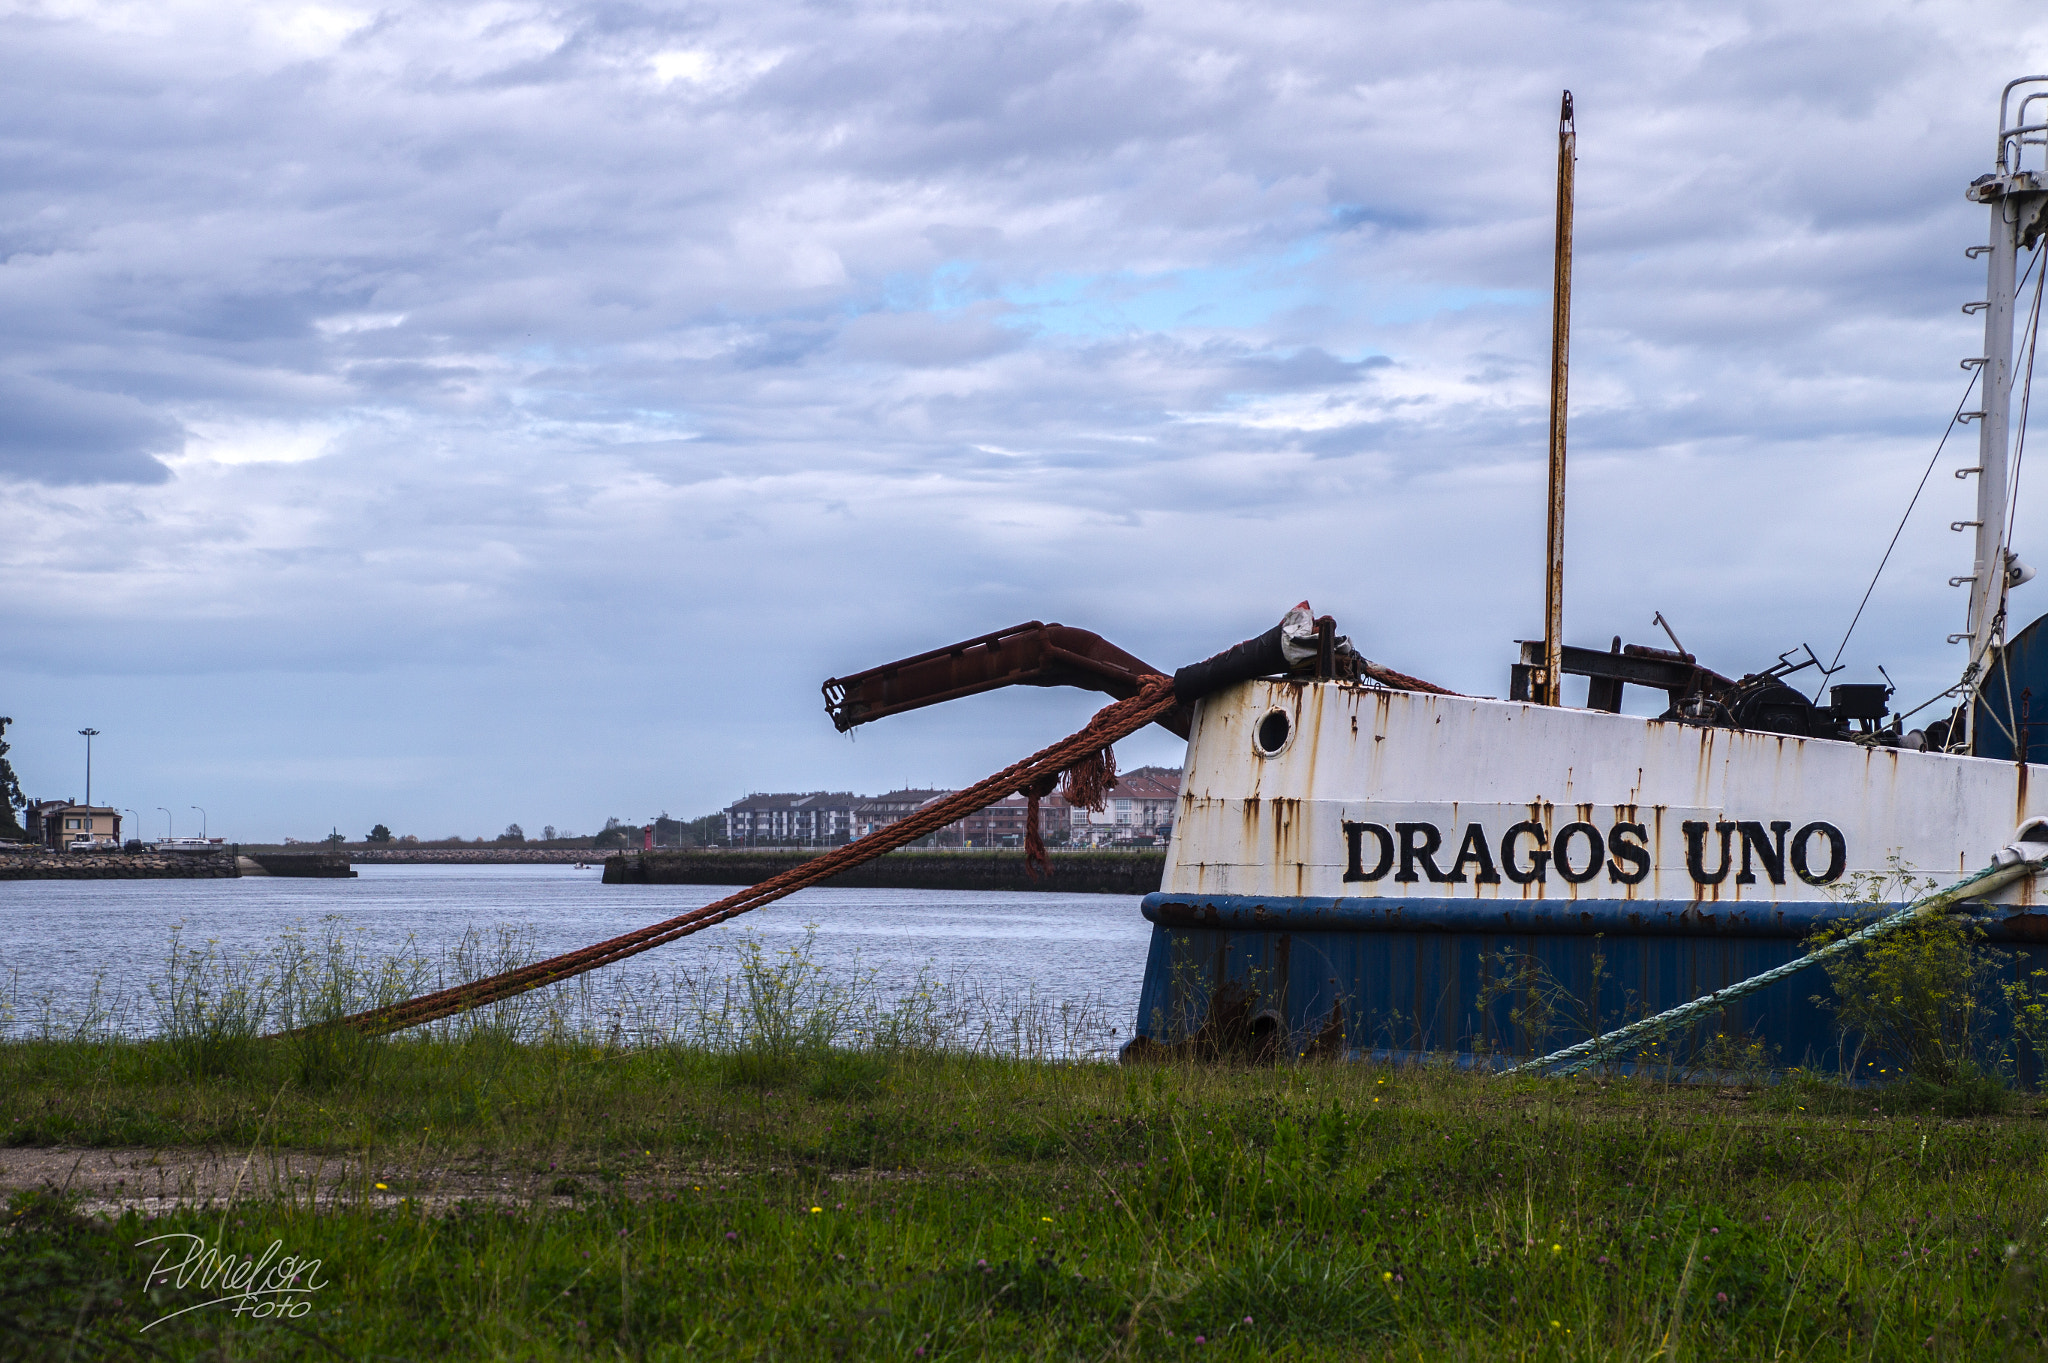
1274,731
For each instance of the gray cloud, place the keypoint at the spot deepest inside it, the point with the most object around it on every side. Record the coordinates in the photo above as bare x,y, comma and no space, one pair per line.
518,363
53,433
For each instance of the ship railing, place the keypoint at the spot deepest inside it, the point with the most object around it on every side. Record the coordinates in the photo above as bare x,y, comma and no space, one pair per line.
2014,138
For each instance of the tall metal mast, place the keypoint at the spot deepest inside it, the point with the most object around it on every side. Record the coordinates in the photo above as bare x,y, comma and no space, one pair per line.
2019,211
1549,690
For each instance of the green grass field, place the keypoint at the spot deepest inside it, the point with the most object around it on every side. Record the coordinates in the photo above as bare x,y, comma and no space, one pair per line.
567,1200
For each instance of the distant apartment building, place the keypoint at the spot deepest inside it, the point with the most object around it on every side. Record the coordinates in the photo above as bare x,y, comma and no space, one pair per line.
819,819
1140,813
879,811
1002,824
59,823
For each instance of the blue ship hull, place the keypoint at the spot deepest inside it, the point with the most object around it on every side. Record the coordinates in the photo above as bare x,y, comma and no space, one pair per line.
1486,981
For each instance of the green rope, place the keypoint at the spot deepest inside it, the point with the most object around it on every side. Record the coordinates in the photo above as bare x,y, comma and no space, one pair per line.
1572,1059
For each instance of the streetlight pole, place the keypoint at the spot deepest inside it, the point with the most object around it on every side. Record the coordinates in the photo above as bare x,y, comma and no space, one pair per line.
90,734
167,823
136,824
202,823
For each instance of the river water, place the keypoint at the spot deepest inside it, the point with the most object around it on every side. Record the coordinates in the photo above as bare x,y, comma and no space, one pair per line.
60,940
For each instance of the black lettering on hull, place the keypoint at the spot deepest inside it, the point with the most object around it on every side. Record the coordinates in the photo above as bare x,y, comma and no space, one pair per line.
1474,852
1696,852
1802,851
1539,859
1818,853
1770,854
1629,843
1419,842
1354,840
1561,852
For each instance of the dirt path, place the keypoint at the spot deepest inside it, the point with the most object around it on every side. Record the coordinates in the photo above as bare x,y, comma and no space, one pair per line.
111,1181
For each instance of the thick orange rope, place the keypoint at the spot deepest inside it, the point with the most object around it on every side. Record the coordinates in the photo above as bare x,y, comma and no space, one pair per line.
1110,723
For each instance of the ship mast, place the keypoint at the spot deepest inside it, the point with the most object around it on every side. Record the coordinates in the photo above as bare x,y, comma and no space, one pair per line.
1548,689
2019,211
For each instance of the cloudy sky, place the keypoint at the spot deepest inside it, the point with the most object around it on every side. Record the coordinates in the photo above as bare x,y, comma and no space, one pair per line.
448,415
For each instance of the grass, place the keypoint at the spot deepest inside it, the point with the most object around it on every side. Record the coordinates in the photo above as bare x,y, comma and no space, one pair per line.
664,1202
767,1162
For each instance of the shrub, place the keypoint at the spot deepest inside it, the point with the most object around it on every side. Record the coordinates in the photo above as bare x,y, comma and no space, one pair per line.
1924,994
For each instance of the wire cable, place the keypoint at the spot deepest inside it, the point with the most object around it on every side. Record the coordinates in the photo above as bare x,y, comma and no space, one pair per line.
2019,452
2002,563
1925,474
1970,670
1971,387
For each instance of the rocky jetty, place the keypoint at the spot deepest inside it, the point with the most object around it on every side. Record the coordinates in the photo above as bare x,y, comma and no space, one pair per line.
40,865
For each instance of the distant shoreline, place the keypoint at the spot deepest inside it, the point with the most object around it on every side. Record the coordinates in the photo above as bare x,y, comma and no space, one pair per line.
954,868
978,868
359,855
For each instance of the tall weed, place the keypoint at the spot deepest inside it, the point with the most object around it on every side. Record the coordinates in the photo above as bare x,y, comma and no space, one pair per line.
772,1008
210,1005
324,977
1923,996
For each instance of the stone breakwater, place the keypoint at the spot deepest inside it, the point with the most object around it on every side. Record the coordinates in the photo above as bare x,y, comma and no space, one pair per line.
226,864
219,865
294,864
1071,873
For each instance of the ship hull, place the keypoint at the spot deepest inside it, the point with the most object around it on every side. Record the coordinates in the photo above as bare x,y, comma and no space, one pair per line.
1388,871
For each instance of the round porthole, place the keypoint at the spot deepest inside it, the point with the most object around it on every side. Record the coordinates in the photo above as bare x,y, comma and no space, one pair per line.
1274,731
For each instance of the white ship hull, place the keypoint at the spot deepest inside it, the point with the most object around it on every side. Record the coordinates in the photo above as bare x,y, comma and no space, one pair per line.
1400,872
1775,821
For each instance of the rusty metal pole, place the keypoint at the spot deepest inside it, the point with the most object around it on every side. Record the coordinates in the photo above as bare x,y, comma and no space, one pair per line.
1551,692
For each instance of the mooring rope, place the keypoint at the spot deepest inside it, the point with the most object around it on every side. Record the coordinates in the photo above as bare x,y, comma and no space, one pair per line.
1572,1059
1111,723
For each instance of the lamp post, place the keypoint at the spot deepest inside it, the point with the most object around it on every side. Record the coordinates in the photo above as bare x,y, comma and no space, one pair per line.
134,821
89,734
202,823
167,823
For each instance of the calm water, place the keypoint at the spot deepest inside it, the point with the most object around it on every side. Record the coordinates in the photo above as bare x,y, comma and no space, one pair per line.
56,935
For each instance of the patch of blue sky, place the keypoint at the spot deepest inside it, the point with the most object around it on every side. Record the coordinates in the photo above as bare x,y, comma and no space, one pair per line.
1228,298
1237,297
1244,296
1399,306
952,285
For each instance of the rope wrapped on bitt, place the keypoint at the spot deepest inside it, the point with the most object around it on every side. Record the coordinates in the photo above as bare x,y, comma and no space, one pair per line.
1036,772
2023,859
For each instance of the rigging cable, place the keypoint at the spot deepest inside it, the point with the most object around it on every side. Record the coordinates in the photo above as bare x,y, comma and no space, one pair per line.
1971,668
2033,345
2002,564
2019,452
1925,474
